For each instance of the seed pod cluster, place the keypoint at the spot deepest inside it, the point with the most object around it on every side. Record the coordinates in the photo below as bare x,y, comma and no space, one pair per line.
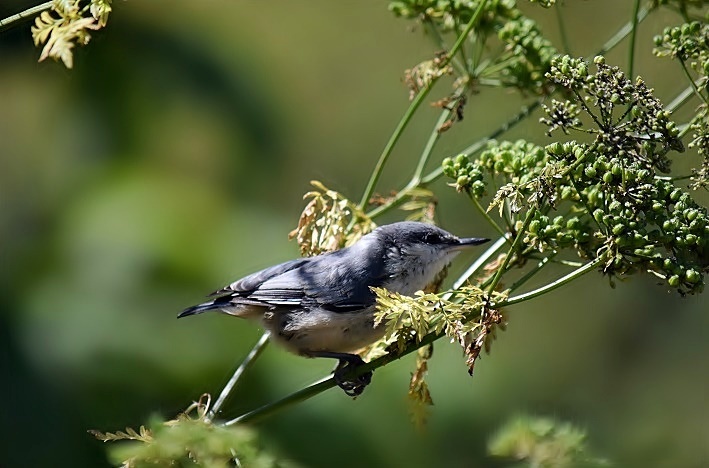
604,197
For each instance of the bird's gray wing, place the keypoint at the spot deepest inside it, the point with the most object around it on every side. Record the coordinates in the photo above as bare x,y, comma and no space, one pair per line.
324,282
252,282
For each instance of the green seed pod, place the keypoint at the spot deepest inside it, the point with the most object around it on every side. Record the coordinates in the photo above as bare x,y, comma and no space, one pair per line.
693,276
598,215
608,177
618,229
590,172
462,159
673,281
566,192
534,226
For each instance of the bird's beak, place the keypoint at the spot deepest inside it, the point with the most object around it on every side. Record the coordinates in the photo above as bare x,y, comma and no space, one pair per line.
469,241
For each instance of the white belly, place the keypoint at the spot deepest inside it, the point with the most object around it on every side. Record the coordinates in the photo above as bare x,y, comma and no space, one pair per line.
322,330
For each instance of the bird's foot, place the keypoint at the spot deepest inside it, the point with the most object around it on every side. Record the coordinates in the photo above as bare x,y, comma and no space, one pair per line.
351,386
347,363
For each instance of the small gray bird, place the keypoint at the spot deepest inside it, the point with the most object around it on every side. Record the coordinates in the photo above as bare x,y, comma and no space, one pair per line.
323,306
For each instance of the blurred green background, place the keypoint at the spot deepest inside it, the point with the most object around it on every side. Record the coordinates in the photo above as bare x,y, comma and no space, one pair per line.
172,160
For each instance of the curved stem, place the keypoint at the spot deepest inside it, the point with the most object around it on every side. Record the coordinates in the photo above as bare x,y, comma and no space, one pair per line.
562,29
26,14
540,266
633,35
290,400
692,83
551,286
624,31
489,219
479,263
376,174
680,99
513,248
250,358
328,382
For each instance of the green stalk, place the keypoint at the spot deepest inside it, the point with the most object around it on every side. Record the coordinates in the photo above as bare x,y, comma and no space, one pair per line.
479,263
420,97
633,35
327,383
26,14
624,31
229,387
513,248
540,266
551,286
489,219
415,181
693,84
562,29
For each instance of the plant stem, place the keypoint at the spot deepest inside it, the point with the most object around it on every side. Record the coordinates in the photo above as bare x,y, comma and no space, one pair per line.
633,35
513,248
480,144
680,99
479,262
562,29
624,31
28,13
542,263
415,181
376,174
306,393
693,84
551,286
489,219
250,358
327,383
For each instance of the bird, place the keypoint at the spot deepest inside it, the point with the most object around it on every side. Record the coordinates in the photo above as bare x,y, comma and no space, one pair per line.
323,306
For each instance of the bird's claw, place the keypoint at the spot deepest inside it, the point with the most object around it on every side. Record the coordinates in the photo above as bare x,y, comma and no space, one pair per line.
351,386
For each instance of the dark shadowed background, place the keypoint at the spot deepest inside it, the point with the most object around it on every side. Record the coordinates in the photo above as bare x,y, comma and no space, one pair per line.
172,159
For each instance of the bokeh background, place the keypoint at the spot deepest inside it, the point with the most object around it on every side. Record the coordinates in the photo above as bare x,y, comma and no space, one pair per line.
172,160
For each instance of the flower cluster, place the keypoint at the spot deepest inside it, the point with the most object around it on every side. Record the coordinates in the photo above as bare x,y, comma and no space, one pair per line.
688,43
525,54
603,197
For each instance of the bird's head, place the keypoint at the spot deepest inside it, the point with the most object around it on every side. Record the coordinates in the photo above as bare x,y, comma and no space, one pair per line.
427,243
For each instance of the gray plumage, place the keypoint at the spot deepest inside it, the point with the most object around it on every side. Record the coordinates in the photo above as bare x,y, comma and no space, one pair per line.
323,305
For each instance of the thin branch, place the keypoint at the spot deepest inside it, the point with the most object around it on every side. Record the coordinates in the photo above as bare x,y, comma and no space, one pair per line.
26,14
250,358
633,36
549,287
403,123
513,248
693,84
624,31
562,29
480,262
540,266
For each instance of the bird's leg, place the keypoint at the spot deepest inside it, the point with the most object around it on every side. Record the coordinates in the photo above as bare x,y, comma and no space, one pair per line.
347,362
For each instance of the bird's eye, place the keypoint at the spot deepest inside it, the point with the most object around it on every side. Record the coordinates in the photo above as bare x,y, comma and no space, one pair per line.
432,238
